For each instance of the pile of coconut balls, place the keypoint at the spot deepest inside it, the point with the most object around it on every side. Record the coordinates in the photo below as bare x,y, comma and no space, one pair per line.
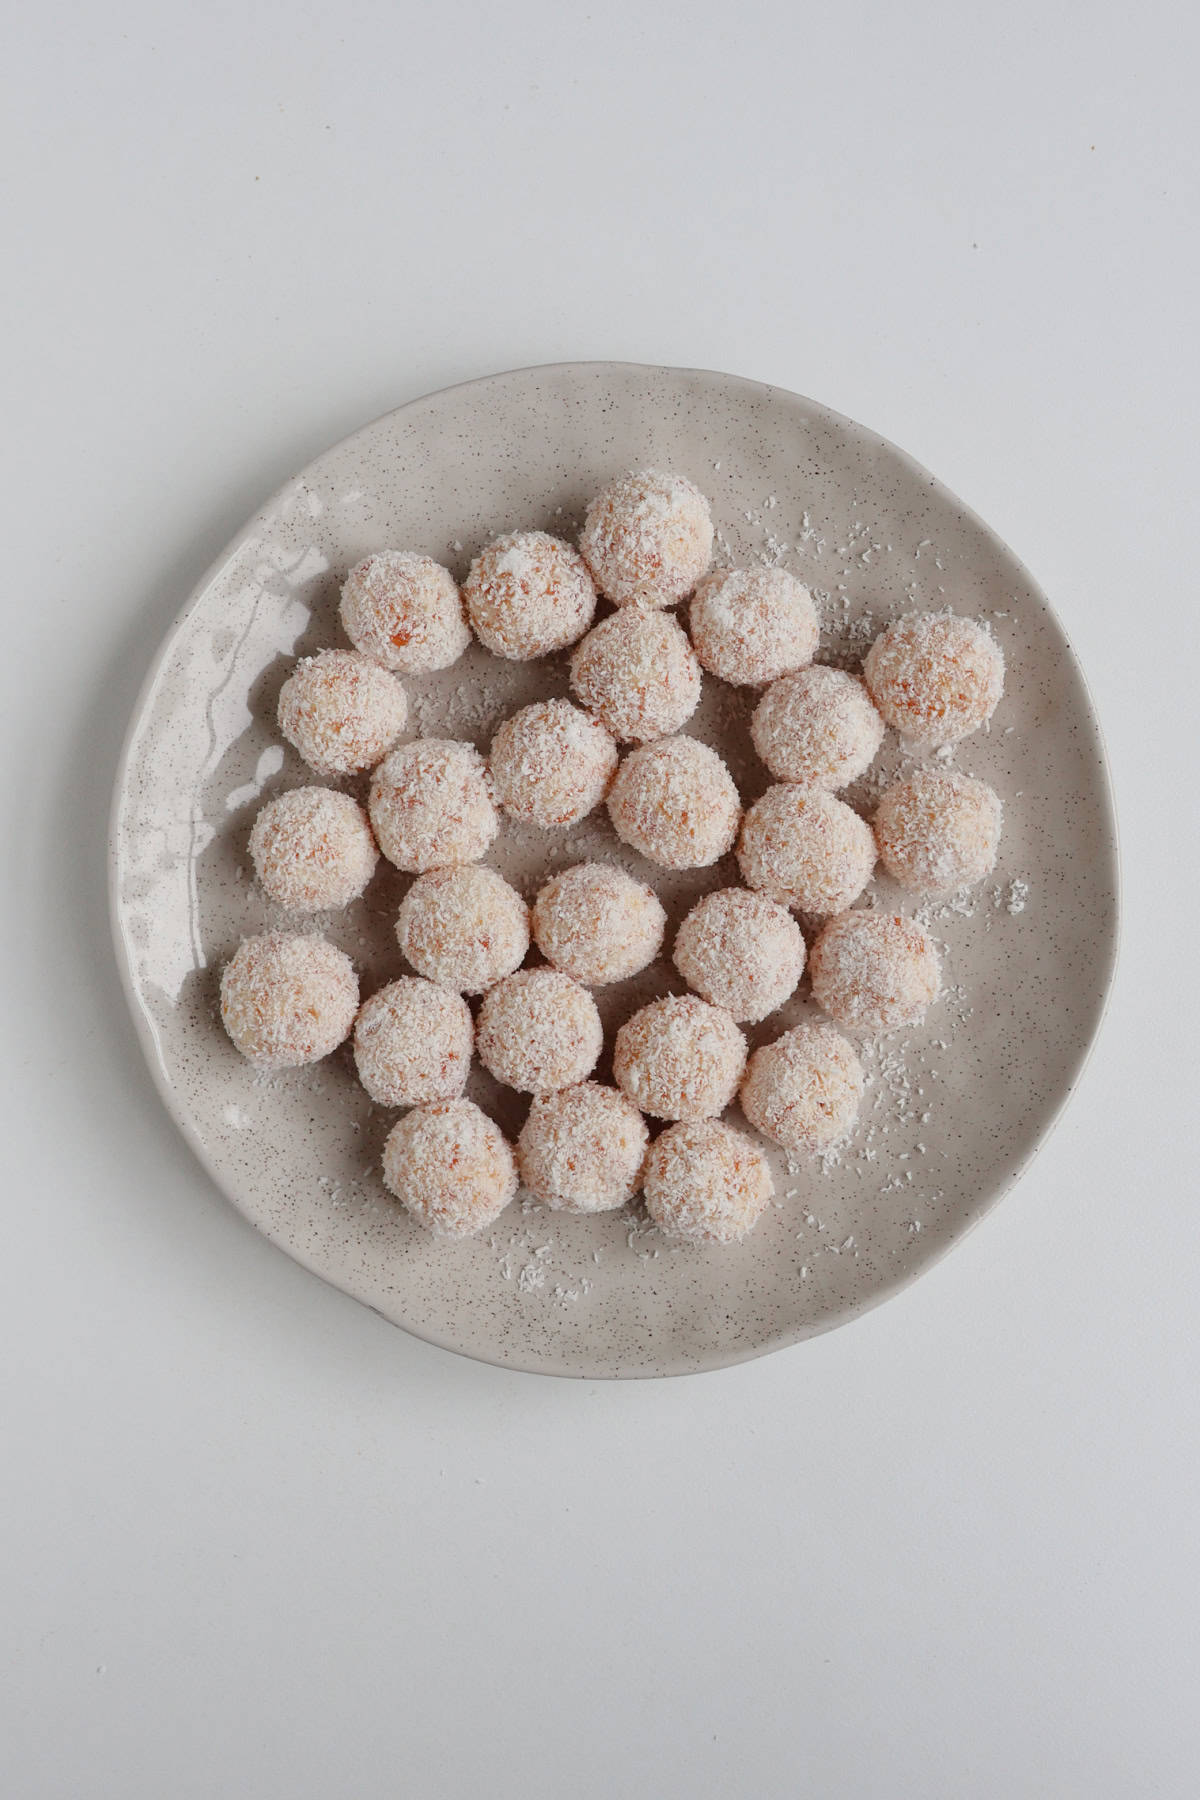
436,806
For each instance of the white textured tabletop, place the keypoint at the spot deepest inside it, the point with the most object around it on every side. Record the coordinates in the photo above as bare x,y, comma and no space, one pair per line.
254,1541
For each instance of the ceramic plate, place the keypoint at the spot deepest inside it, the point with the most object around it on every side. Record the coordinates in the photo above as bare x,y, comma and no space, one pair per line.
954,1110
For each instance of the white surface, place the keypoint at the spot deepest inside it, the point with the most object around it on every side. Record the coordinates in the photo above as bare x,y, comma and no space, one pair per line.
256,1542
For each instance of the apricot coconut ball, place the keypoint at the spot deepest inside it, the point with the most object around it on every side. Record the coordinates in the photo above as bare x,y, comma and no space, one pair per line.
675,802
551,764
639,675
538,1031
750,626
312,849
806,849
874,971
938,831
463,928
741,951
581,1150
935,677
341,711
804,1090
679,1058
405,612
287,1000
528,594
817,728
431,805
413,1043
598,924
451,1167
648,538
706,1183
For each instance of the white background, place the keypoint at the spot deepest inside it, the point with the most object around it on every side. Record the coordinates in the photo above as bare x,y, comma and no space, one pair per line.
256,1543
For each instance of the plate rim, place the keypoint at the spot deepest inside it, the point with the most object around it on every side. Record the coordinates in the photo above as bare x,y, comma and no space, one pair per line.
148,1038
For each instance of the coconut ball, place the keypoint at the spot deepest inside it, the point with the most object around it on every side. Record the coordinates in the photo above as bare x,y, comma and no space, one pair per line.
706,1183
938,832
803,1091
464,928
527,594
431,805
598,924
582,1149
873,971
341,711
675,802
648,538
679,1058
750,626
288,1000
312,849
935,677
551,764
404,611
638,673
413,1042
539,1031
451,1166
806,849
818,728
741,951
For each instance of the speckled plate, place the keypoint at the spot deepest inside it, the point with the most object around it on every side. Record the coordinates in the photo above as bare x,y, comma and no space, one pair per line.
954,1111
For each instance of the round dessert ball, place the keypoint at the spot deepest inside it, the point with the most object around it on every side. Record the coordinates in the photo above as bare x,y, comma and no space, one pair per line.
706,1183
638,673
648,538
551,764
312,849
741,951
527,594
413,1042
874,971
806,849
451,1166
750,626
288,1000
935,677
803,1091
598,924
582,1149
404,611
539,1031
431,805
679,1058
463,928
938,831
675,802
818,728
341,711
